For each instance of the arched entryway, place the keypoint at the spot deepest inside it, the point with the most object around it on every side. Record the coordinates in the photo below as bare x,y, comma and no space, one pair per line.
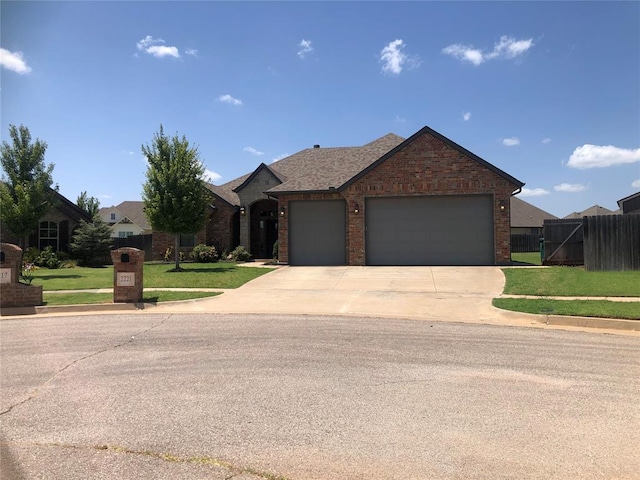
264,228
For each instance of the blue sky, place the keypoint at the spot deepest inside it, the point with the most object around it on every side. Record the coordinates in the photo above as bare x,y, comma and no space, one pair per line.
547,91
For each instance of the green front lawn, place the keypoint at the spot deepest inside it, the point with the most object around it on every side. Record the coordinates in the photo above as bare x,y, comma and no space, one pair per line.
156,275
527,258
571,282
579,308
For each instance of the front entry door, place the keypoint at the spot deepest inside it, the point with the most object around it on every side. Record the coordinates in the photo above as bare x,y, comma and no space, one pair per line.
264,228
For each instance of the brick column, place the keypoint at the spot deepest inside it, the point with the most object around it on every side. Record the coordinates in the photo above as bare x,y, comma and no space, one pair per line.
14,294
128,266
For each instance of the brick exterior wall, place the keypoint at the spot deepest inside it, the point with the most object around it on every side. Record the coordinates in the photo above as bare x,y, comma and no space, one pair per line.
160,241
221,229
427,166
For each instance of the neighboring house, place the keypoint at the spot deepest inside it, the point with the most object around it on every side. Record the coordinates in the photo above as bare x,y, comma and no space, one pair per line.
630,204
526,218
126,219
592,212
55,229
421,201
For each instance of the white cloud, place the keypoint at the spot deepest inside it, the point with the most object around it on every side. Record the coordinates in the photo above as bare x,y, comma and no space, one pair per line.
253,151
211,176
230,100
191,51
507,48
13,61
400,119
305,47
546,140
595,156
279,157
533,192
393,59
511,142
636,183
156,47
466,116
569,187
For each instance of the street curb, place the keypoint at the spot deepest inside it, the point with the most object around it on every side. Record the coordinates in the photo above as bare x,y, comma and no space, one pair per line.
568,321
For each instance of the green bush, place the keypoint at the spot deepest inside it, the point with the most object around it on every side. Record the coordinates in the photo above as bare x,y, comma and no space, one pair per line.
240,254
275,250
47,259
30,255
204,254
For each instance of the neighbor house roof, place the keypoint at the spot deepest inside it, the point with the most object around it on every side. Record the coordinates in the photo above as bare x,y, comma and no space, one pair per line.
632,203
134,211
525,215
591,212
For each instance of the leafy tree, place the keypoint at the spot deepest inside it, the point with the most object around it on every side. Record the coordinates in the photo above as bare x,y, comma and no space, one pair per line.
27,192
91,205
174,195
91,242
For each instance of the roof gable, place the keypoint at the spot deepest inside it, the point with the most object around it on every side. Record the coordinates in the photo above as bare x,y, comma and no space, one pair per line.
429,131
255,173
134,211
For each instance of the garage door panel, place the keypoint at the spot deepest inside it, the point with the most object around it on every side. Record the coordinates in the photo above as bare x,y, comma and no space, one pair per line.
430,230
317,232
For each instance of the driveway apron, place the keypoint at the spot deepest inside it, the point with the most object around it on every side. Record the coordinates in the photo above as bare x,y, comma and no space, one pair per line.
462,293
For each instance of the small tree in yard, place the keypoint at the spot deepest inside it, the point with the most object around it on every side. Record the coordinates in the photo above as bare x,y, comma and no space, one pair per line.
91,242
27,192
175,197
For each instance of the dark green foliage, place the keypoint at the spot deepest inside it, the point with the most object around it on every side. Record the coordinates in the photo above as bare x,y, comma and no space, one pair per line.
275,250
175,196
26,192
91,205
204,254
91,242
240,254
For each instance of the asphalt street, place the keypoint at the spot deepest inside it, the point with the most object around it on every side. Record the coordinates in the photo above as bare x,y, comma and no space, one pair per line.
220,396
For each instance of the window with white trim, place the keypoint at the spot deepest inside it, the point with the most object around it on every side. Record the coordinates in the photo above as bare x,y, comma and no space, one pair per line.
48,235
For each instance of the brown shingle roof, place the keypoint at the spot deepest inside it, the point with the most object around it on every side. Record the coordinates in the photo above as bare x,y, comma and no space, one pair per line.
318,169
134,211
591,211
525,215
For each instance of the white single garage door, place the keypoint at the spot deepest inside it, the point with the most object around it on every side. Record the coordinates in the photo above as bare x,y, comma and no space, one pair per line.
317,232
430,230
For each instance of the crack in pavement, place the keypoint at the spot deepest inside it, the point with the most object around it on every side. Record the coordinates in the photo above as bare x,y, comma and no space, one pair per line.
35,391
234,470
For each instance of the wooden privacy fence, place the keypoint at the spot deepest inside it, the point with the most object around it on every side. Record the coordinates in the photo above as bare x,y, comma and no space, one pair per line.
525,242
563,242
612,242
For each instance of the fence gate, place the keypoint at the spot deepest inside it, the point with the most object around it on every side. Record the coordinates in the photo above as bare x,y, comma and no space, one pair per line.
612,242
563,242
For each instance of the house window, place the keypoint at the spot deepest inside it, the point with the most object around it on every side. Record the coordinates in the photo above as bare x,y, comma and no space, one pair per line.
48,235
125,234
187,240
113,217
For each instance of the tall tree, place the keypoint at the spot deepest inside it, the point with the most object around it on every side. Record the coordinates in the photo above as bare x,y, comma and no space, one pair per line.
91,205
174,195
92,242
27,192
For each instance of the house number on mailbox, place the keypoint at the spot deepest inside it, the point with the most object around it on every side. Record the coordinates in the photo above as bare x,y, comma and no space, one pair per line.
5,275
126,279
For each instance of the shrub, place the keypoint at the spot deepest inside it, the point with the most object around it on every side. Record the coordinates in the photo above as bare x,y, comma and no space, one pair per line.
92,242
240,254
275,250
204,254
30,255
47,259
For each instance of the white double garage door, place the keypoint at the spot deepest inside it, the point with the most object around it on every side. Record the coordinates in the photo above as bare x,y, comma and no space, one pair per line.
422,230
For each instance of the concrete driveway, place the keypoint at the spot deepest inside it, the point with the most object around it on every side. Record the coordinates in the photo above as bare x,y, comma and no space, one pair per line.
431,293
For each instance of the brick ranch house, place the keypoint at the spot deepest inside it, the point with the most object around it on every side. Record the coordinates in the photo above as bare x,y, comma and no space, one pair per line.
424,200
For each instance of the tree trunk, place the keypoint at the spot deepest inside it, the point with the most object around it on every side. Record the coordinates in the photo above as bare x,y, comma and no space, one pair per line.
177,253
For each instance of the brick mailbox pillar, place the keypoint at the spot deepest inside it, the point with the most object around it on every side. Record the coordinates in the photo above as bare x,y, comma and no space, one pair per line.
128,264
14,294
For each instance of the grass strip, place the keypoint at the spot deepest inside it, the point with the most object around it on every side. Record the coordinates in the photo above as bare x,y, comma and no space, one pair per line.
571,282
101,298
578,308
528,258
156,275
